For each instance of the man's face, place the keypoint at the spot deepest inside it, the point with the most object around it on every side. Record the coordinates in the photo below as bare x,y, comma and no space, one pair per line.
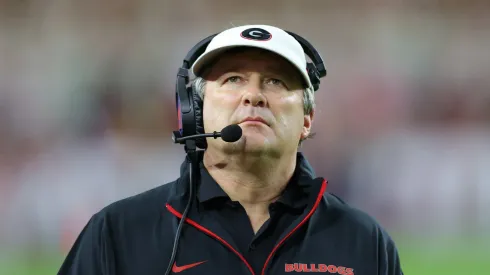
255,85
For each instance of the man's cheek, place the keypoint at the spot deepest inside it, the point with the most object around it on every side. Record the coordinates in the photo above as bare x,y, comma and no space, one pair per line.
215,119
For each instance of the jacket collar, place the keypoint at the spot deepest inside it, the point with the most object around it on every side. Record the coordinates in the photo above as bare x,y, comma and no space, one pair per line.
294,196
301,188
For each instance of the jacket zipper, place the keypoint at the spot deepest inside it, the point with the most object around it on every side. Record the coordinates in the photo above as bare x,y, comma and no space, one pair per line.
315,206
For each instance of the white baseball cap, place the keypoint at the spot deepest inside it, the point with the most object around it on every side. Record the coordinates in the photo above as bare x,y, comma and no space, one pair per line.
257,36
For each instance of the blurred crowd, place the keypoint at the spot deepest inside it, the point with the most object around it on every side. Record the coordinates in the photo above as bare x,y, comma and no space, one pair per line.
87,106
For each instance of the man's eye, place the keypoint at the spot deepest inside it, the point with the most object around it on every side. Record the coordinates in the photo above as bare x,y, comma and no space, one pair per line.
274,81
233,79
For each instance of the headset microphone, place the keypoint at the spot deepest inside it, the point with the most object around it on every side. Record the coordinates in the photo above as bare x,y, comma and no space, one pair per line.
230,133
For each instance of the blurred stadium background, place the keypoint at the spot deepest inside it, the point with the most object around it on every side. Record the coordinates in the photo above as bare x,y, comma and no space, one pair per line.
403,118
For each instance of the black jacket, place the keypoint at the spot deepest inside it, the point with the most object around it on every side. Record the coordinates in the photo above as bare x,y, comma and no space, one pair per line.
135,236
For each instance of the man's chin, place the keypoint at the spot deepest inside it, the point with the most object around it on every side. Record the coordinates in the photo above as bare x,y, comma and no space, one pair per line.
255,144
256,139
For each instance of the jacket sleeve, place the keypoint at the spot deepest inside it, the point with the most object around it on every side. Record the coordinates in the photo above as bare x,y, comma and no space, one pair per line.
92,252
389,260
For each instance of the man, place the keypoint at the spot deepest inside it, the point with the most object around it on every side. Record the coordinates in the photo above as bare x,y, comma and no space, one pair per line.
259,208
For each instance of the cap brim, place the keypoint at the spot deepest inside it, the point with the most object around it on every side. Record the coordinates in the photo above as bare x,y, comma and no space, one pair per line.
208,57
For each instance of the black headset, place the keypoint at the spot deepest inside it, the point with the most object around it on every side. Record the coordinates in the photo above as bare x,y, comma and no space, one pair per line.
189,103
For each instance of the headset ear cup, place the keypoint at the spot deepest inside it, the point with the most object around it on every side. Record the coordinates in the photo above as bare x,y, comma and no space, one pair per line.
198,113
314,75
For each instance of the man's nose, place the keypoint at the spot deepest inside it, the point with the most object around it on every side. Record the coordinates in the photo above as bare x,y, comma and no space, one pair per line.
254,93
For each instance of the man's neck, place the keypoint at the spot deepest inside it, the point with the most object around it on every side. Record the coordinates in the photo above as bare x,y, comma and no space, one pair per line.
255,182
248,179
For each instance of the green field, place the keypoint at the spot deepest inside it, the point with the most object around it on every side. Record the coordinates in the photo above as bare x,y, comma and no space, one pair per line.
418,257
446,258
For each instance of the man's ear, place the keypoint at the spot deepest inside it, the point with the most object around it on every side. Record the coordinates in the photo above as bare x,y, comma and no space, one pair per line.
307,123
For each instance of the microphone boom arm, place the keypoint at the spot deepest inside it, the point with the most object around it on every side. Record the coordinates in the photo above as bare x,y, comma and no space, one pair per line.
177,137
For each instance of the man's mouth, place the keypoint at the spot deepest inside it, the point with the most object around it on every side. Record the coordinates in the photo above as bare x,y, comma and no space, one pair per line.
255,120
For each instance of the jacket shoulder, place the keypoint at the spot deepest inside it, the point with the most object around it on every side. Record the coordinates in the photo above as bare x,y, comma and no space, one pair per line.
344,214
351,225
139,206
